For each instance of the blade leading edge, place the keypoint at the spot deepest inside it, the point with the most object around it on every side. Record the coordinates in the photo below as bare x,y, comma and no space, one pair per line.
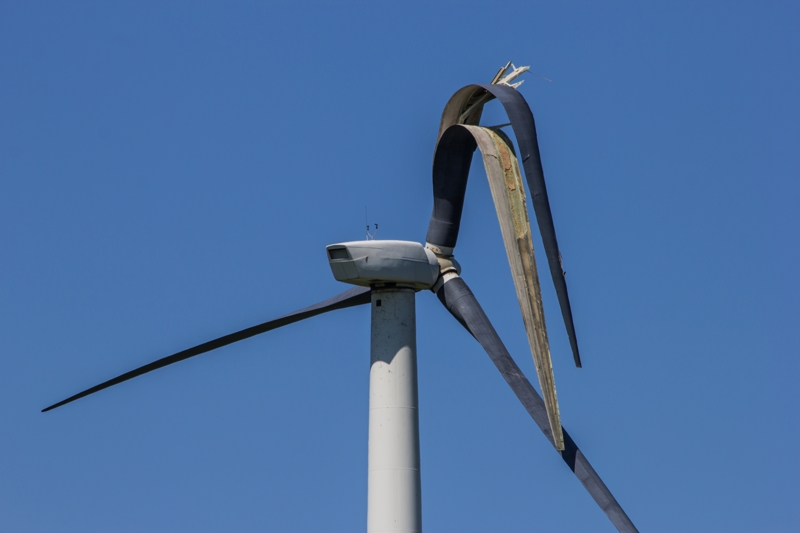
350,298
462,304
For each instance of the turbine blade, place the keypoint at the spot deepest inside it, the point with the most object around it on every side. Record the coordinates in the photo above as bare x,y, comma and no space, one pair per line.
508,194
525,131
350,298
456,296
451,169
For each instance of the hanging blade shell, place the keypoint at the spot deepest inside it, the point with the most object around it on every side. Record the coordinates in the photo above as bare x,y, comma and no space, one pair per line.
508,193
465,107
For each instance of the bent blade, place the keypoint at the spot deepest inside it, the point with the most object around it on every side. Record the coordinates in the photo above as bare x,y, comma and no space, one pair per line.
508,193
457,297
350,298
524,126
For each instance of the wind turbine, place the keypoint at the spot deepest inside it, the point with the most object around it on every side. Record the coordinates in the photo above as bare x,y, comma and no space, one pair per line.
388,274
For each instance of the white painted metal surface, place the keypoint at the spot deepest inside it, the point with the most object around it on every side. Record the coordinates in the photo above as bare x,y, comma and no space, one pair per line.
393,494
367,263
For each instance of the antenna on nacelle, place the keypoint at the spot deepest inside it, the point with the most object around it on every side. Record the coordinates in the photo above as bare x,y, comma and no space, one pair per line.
370,236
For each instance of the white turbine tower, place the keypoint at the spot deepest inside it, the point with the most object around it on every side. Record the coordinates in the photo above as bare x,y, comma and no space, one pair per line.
387,275
395,271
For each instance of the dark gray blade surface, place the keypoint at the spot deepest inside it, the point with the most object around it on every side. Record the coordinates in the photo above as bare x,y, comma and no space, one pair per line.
462,304
353,297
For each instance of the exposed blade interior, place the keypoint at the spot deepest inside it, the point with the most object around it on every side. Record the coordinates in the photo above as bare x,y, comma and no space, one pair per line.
508,194
459,300
350,298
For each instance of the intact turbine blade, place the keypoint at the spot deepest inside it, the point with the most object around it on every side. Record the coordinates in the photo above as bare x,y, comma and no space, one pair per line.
462,304
350,298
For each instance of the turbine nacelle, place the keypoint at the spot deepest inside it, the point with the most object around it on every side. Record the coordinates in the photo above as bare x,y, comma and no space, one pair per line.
369,263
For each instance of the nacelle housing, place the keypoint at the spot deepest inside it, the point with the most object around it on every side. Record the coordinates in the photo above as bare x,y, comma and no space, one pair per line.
373,262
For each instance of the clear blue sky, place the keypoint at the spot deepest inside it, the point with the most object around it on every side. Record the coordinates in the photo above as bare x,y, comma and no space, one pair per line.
171,172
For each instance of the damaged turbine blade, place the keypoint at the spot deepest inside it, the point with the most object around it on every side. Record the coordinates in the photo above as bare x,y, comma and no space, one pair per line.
508,193
515,73
501,72
501,78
